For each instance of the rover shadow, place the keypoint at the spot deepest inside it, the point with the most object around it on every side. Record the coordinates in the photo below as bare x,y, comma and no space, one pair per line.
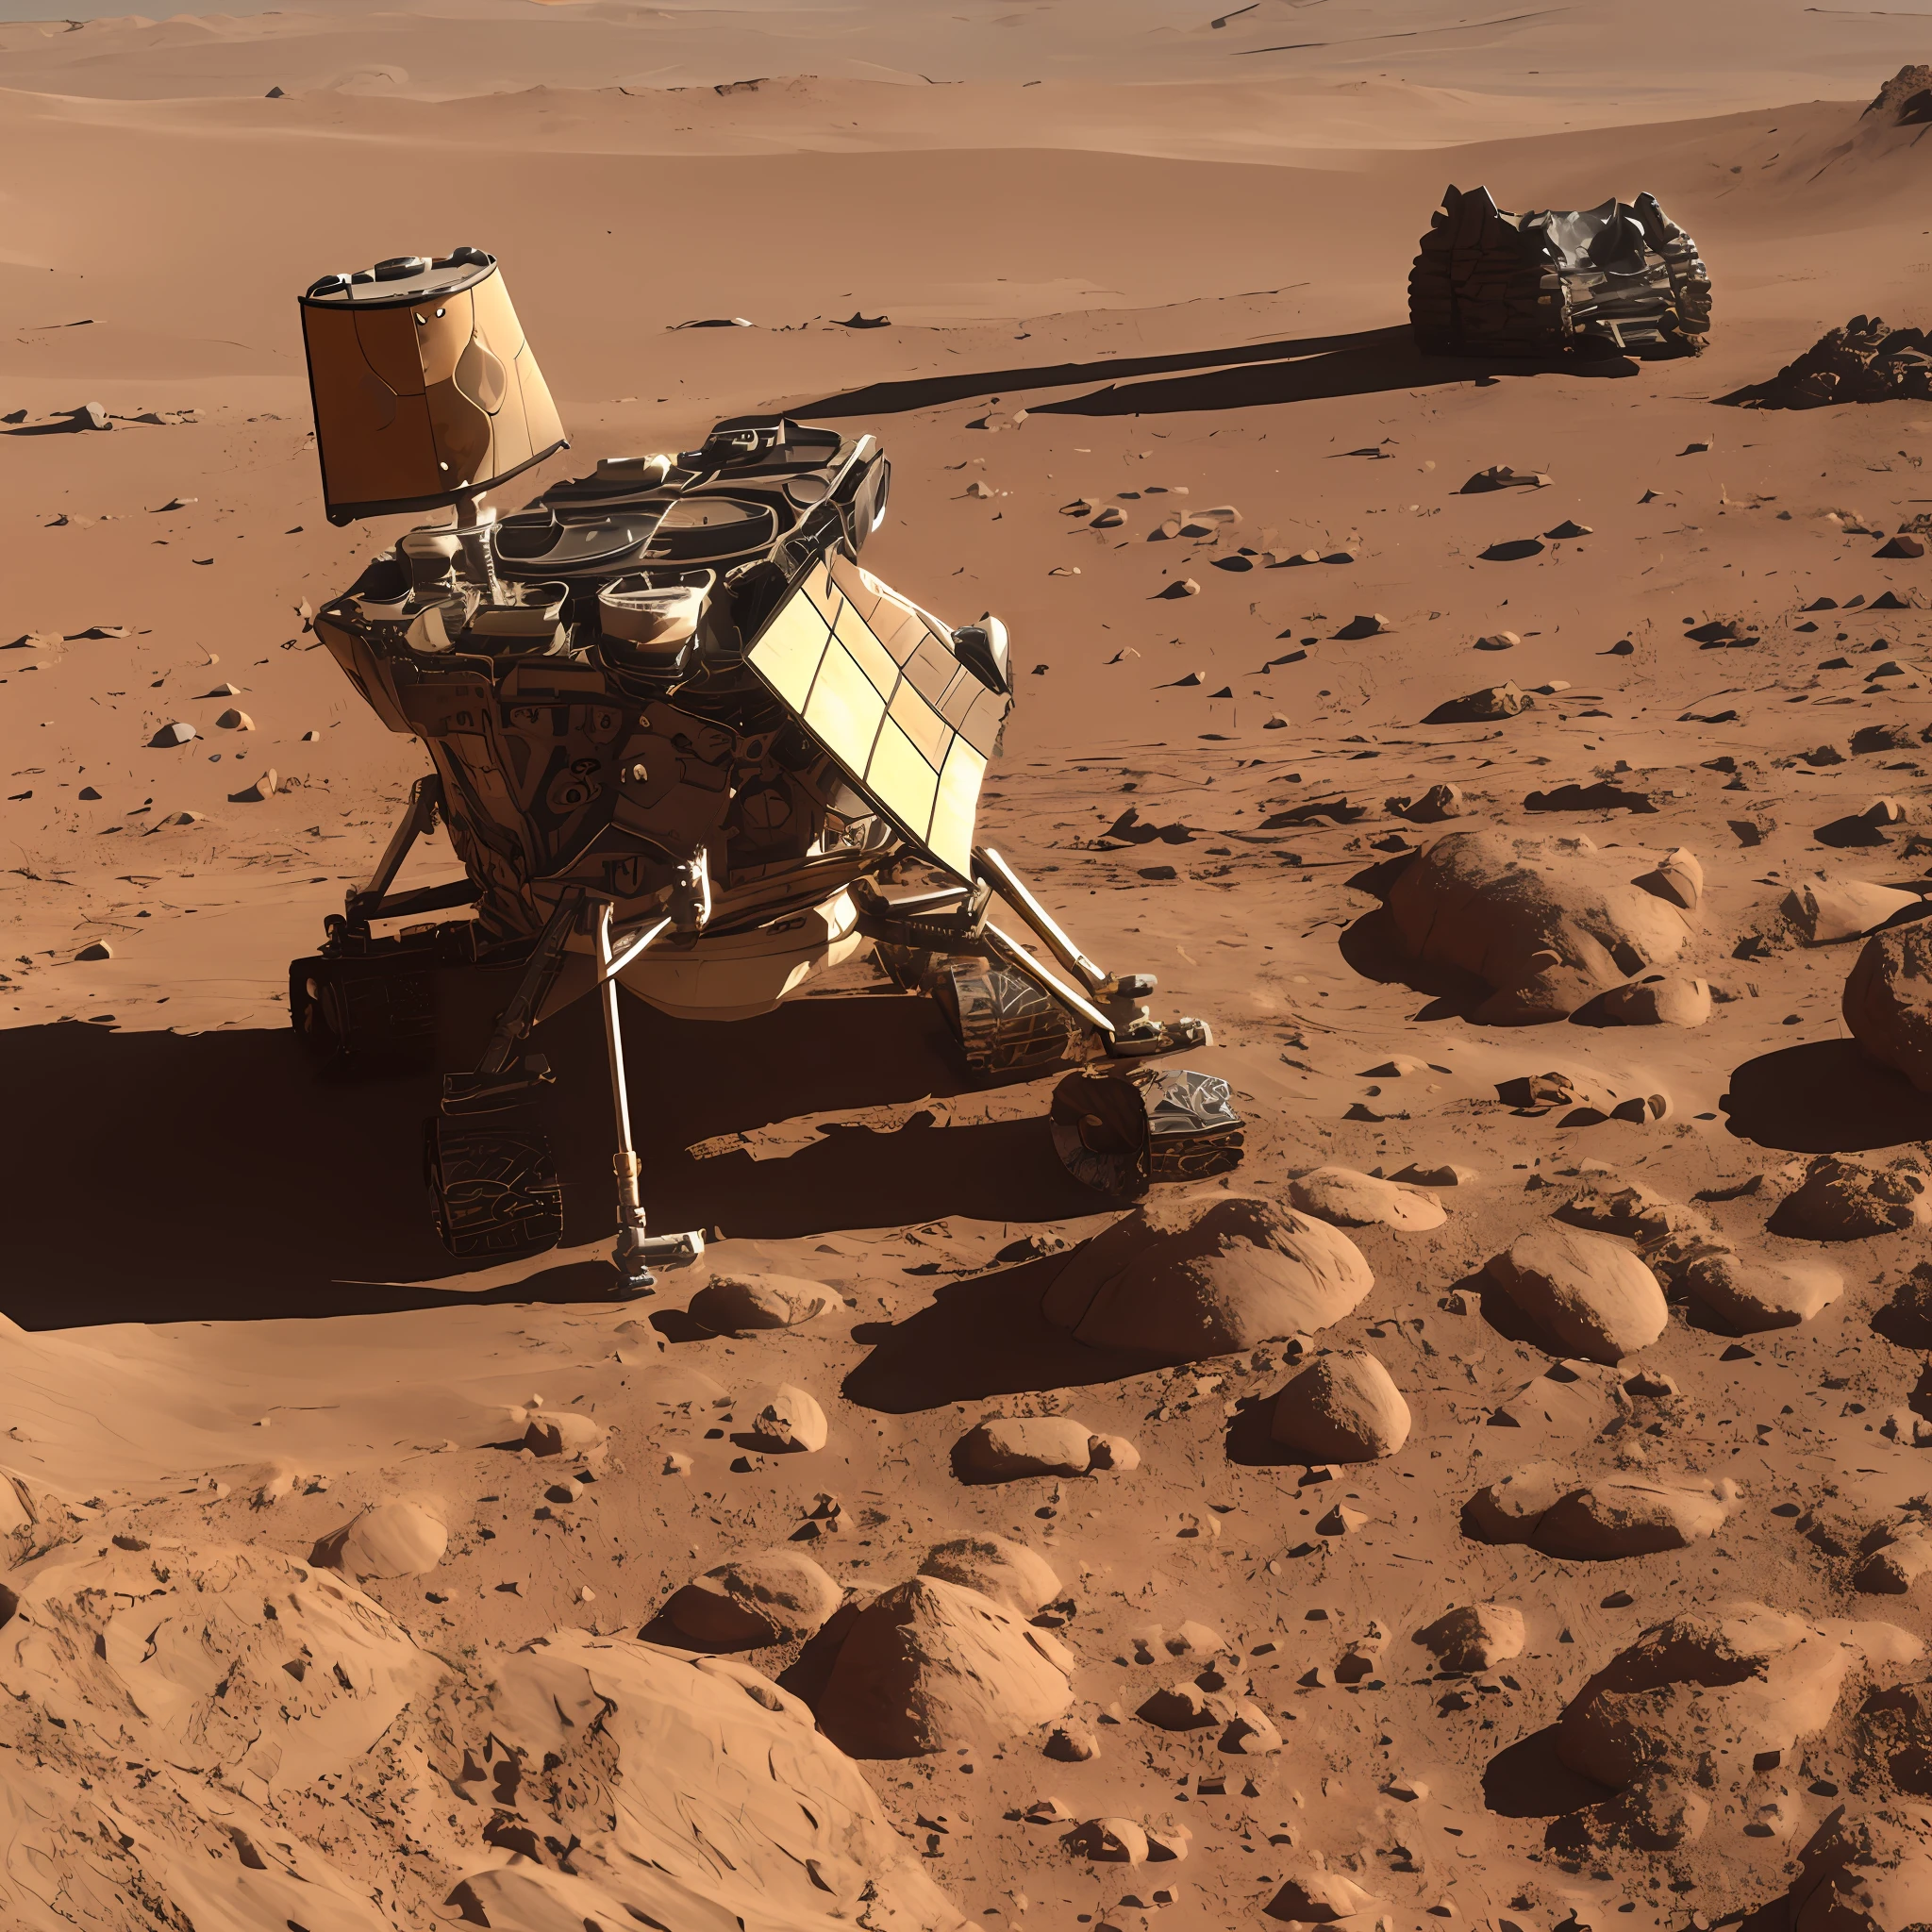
980,1338
214,1176
1824,1097
1240,377
1527,1779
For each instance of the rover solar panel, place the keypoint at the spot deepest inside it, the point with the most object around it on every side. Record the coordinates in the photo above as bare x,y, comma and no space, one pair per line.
875,681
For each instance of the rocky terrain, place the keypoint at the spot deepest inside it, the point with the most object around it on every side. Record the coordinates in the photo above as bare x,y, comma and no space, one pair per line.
1504,1500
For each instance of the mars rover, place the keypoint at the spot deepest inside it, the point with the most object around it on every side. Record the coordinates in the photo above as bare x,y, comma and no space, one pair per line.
1622,276
683,744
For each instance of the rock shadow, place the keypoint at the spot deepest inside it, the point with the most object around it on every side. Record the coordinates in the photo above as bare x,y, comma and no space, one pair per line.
1373,949
981,1337
1248,1439
1824,1096
1527,1779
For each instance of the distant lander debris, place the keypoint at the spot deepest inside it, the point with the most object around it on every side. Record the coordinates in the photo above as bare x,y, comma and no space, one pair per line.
1622,276
682,743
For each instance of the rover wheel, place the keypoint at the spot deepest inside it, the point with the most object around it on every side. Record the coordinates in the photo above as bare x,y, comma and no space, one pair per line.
1120,1130
374,1015
494,1187
1002,1019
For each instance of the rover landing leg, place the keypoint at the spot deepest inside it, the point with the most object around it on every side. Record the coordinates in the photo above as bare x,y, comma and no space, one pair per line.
1007,1009
636,1251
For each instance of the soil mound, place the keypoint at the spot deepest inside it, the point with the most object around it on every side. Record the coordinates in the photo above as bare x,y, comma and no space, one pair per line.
1545,1507
1591,1296
1204,1277
1343,1408
752,1600
1545,924
1347,1199
929,1666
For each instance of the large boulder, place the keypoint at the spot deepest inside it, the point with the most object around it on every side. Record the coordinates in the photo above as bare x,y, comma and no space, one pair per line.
999,1448
752,1600
1201,1277
717,1802
1720,1692
1549,1509
1842,1199
1749,1297
1888,1001
930,1665
1348,1199
1583,1291
1015,1578
1545,924
1343,1408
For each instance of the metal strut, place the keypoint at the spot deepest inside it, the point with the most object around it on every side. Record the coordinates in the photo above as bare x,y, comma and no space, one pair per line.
635,1250
1111,1003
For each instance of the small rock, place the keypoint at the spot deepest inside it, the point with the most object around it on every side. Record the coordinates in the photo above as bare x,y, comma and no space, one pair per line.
1498,641
562,1432
752,1600
743,1304
1843,1199
1446,1176
1591,1296
1178,1707
1482,706
179,732
1476,1636
1678,878
1344,1198
97,949
1115,1841
1072,1744
1668,1001
232,720
791,1422
1369,623
1343,1408
1844,908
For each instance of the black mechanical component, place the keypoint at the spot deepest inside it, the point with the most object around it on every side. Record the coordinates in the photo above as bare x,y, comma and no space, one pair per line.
495,1187
1004,1022
365,1007
1121,1131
